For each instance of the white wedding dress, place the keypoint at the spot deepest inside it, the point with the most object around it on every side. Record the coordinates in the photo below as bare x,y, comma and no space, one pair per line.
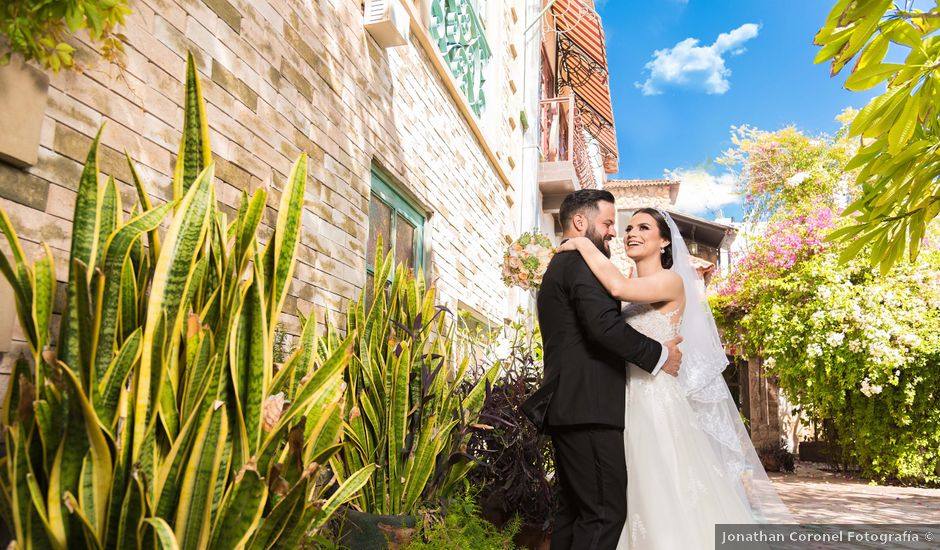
678,487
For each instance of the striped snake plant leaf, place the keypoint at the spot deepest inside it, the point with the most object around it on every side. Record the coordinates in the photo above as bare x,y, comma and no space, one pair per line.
254,359
125,474
199,374
112,382
43,282
278,519
115,256
241,510
131,515
400,370
110,212
181,246
129,314
346,492
286,237
194,512
84,241
247,229
97,465
144,200
237,363
195,154
164,533
169,477
317,385
18,275
78,514
49,427
17,466
41,530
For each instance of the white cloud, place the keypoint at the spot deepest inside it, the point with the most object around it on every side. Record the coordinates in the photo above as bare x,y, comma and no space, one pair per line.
699,67
701,192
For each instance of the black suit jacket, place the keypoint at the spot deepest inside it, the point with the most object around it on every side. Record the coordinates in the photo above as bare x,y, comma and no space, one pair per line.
587,344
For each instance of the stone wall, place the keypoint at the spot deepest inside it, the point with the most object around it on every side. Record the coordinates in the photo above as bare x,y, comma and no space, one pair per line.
280,78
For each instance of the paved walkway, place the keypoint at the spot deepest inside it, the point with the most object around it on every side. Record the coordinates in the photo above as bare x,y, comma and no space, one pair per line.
818,496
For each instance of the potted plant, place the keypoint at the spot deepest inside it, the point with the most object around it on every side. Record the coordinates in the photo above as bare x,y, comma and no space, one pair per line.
407,408
158,419
35,33
514,472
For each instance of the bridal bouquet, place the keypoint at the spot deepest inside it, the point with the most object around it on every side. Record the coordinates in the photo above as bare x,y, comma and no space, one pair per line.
526,260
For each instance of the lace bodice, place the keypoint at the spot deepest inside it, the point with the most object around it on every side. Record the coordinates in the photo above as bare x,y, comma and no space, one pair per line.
652,323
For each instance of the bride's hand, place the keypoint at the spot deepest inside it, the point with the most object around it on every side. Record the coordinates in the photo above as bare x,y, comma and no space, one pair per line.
570,244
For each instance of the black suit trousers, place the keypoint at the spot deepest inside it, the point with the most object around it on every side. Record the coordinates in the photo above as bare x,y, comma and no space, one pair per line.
592,487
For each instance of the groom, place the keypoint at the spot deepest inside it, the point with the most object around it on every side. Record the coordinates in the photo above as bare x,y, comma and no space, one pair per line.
587,344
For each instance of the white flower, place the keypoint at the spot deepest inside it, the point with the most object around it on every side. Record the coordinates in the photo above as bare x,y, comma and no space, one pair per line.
814,350
836,338
797,178
770,362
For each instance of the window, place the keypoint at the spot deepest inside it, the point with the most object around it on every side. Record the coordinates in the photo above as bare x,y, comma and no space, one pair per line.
457,30
400,225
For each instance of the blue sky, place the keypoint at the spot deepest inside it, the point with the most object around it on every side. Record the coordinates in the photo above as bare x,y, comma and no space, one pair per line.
672,117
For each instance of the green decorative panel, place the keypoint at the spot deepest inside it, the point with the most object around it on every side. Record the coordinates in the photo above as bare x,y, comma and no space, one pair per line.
456,28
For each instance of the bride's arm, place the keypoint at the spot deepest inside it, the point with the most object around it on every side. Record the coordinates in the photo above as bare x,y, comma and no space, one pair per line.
661,287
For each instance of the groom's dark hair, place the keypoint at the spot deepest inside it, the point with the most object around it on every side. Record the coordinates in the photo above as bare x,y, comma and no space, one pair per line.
583,201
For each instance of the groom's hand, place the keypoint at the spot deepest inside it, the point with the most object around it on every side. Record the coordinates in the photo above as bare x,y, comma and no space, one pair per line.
671,366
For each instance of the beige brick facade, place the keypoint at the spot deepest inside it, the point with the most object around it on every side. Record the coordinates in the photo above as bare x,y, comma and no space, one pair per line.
280,78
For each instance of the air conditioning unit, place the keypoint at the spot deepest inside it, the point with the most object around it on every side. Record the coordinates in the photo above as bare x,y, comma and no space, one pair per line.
387,22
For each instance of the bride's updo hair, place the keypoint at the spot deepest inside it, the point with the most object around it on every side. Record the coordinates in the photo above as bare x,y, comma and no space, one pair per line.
664,232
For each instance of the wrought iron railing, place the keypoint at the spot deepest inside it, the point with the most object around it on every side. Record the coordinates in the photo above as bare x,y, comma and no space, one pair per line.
562,138
456,28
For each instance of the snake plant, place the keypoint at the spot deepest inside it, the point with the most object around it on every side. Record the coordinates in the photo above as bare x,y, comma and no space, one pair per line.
157,418
408,409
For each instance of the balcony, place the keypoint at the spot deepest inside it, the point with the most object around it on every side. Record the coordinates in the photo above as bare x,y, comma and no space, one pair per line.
565,164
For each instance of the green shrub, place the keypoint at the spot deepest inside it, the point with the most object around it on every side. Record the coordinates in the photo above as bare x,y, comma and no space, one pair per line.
461,527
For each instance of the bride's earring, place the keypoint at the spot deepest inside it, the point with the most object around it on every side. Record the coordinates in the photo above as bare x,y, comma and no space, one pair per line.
662,250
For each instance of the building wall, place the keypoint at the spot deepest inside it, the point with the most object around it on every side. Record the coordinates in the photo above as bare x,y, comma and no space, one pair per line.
648,196
280,78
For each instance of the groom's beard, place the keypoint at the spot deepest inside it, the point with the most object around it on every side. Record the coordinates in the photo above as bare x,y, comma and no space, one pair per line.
598,241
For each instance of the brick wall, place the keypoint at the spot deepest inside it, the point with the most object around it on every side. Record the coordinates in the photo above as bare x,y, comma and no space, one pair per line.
280,78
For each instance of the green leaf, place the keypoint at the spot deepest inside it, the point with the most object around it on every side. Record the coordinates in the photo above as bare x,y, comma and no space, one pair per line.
132,515
171,279
870,75
241,511
286,237
194,512
116,251
903,128
165,535
84,241
93,497
109,388
195,154
43,279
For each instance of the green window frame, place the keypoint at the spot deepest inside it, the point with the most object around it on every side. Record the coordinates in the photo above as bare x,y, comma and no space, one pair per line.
385,197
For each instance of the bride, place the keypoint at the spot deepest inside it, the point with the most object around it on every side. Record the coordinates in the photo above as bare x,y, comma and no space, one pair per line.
684,436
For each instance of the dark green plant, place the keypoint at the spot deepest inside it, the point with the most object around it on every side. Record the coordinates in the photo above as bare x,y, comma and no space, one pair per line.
37,29
514,460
